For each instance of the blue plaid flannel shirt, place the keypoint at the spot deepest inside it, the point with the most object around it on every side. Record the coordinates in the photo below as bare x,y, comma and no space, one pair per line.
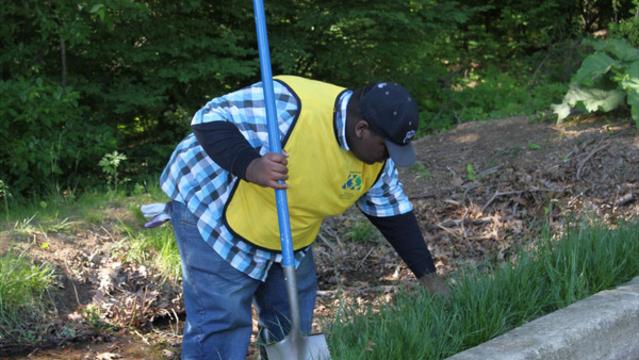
194,179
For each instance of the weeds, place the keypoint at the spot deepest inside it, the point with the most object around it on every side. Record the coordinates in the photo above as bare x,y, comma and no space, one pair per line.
420,170
93,316
110,164
5,194
470,172
25,227
533,146
62,226
362,231
156,247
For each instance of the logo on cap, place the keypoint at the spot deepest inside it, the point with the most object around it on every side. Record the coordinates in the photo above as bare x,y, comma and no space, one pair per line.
409,135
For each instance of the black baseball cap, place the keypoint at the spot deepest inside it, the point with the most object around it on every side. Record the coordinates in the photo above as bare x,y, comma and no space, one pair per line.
391,112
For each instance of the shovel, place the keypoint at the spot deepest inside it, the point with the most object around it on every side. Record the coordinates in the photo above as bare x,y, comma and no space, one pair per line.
294,346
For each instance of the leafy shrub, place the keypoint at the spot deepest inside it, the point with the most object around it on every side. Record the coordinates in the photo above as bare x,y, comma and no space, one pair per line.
605,79
5,194
45,138
492,94
110,164
628,28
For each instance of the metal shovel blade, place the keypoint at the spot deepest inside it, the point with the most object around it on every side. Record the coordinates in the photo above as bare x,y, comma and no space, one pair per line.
298,347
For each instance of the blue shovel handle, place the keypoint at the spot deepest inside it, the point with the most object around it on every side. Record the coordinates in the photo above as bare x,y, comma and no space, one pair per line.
275,146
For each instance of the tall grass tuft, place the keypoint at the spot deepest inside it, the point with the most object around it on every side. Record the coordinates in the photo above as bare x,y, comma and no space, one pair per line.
158,248
588,259
23,286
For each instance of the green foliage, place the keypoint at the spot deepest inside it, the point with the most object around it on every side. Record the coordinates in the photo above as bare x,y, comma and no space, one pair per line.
101,68
420,170
533,146
470,172
45,139
628,28
505,30
109,165
494,94
362,231
22,283
156,247
588,259
5,194
22,303
79,79
606,78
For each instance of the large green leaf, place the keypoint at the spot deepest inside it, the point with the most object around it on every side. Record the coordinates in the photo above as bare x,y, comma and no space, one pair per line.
633,69
593,67
630,81
630,84
633,102
561,110
592,100
620,49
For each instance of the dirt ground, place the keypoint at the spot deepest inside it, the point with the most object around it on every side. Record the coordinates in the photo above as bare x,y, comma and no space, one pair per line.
481,192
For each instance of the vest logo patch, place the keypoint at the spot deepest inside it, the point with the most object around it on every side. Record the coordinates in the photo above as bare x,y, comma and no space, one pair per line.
353,182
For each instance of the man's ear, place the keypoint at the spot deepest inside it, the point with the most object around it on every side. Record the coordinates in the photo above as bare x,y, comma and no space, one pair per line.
360,127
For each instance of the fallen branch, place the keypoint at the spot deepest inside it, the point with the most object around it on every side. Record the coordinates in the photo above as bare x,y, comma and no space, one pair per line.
423,196
325,241
357,290
626,199
361,262
583,162
466,222
498,194
489,171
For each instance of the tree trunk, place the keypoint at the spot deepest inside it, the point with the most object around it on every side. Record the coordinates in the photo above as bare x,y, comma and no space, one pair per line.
63,58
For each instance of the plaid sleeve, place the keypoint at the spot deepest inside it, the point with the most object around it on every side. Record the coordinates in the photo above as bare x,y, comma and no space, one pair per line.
245,108
386,197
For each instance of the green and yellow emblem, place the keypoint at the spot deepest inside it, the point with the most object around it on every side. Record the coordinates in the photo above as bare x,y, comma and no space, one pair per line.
353,182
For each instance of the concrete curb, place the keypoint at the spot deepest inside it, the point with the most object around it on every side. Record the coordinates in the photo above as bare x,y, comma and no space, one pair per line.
603,326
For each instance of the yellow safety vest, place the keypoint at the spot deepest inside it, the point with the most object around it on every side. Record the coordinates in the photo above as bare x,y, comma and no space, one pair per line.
324,179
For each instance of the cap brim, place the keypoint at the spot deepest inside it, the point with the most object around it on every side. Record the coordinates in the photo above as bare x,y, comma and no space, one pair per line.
402,155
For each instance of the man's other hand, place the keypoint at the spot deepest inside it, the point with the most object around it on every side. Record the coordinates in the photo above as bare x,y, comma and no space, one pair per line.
435,285
268,170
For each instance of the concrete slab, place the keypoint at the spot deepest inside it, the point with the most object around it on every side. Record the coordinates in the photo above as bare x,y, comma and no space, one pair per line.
603,326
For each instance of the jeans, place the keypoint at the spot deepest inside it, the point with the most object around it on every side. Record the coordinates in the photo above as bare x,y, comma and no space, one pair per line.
218,298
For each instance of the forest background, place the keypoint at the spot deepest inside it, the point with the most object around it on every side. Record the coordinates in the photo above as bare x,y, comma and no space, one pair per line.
81,79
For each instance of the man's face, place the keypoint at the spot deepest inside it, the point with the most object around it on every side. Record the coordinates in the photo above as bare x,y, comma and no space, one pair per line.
369,147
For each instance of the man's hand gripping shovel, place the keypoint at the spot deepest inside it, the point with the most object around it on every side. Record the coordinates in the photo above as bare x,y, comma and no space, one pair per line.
294,346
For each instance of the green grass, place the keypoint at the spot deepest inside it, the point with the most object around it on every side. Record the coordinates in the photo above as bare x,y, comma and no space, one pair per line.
588,259
87,206
490,93
23,286
362,231
156,247
420,170
63,212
